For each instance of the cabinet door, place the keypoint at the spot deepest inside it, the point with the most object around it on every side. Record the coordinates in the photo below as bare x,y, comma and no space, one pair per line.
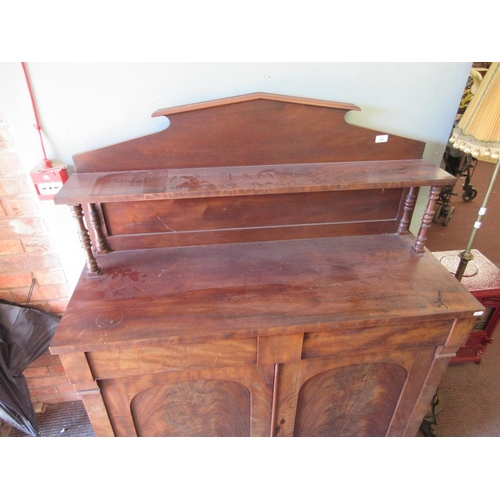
213,403
375,394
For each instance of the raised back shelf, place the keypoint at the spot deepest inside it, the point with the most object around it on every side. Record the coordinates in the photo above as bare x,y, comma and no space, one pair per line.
164,184
176,207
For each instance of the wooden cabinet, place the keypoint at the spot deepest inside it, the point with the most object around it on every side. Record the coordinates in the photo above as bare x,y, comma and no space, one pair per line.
265,286
284,385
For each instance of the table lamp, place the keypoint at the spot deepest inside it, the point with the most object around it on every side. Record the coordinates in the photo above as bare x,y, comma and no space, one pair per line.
478,134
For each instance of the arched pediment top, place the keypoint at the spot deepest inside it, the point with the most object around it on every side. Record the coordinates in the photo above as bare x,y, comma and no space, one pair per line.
256,96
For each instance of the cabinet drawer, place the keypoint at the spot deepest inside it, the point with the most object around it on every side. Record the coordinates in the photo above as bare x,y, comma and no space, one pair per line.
376,338
139,360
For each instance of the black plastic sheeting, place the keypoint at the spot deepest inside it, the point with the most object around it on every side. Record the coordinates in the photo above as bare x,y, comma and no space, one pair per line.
25,334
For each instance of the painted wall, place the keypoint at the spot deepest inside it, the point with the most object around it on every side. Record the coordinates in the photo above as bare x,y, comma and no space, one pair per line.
84,106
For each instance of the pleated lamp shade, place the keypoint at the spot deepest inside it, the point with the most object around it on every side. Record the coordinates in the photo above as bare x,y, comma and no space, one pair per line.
478,131
478,134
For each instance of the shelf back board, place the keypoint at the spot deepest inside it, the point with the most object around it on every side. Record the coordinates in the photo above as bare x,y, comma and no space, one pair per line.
253,129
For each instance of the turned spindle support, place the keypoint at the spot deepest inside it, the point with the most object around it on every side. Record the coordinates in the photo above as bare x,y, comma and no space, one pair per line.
418,246
92,267
404,223
95,224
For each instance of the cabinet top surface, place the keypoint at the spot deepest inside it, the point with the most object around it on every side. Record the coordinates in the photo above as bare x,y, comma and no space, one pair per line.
273,287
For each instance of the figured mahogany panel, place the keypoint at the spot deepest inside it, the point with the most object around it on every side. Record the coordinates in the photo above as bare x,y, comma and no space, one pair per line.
355,400
257,129
378,338
195,408
174,356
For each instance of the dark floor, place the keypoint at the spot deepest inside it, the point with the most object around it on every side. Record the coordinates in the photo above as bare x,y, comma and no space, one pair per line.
61,420
471,397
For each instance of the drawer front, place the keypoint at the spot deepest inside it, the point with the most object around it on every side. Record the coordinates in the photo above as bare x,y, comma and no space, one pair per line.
139,360
376,338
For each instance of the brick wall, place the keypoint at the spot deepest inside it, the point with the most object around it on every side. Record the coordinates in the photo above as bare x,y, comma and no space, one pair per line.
28,256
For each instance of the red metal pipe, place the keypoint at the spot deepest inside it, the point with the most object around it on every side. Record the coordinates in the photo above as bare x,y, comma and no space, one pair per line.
46,162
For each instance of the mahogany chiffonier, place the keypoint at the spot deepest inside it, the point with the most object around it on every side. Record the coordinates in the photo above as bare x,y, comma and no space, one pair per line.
482,279
250,272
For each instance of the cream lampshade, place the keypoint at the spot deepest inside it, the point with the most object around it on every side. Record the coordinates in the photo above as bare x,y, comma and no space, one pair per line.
478,134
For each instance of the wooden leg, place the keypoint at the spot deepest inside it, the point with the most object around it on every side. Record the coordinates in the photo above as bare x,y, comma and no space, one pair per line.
404,224
79,374
92,267
418,247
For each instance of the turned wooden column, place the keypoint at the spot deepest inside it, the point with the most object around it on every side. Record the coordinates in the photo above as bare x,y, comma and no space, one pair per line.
418,247
95,224
92,267
404,223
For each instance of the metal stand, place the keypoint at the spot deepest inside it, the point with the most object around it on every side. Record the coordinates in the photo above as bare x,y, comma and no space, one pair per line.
466,256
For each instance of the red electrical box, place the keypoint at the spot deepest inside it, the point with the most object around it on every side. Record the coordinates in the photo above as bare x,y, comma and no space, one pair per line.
49,180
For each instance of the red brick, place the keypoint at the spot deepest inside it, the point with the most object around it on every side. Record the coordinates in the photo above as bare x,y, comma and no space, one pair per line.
54,394
40,394
24,226
21,296
64,389
55,398
47,381
10,164
50,277
42,293
6,295
9,247
58,306
60,291
6,140
18,185
30,262
20,207
46,359
15,280
40,371
56,369
38,244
